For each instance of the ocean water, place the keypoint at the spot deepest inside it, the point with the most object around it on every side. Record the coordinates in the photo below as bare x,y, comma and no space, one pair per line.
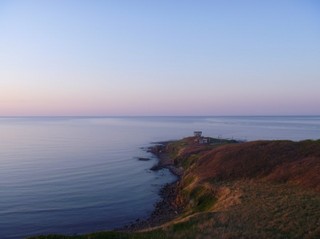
75,175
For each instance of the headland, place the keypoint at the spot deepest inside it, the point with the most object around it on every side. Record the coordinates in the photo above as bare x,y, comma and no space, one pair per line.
232,189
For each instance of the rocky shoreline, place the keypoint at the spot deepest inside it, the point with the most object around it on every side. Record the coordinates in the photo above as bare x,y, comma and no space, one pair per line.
166,209
165,161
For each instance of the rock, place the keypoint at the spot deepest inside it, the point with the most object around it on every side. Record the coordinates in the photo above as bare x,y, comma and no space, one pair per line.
156,167
143,159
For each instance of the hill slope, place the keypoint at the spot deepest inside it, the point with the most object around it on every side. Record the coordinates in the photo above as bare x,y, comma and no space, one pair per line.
277,161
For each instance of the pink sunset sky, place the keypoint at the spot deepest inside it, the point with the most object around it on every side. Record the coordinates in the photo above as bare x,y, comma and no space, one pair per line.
159,58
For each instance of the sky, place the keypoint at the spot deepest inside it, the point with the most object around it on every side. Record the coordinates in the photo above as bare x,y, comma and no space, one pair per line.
139,57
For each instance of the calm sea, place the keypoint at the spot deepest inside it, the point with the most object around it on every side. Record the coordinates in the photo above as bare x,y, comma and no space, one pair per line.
79,174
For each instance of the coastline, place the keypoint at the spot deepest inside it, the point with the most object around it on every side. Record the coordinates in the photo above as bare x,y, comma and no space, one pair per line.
166,209
220,187
222,195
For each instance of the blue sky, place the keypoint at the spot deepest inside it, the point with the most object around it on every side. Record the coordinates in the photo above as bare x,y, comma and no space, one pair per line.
159,57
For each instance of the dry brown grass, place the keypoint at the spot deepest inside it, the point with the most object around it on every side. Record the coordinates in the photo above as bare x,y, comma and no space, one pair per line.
264,189
279,161
262,210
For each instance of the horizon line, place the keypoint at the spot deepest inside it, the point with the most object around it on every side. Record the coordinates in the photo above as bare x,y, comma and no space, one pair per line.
136,116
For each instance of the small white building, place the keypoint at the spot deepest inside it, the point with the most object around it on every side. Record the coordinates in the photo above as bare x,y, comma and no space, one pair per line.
200,139
204,140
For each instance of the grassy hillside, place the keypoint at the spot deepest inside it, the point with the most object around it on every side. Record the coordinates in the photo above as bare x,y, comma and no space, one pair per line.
261,189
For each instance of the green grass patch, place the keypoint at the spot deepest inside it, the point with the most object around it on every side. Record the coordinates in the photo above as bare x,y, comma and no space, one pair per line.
187,180
196,192
205,202
188,162
156,234
202,199
182,226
